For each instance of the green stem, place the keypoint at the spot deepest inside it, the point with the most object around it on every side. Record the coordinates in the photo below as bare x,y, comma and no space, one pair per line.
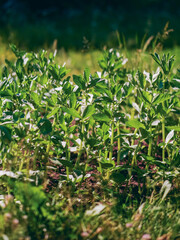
22,162
35,156
133,139
100,166
112,141
27,166
81,146
163,138
134,160
150,142
47,158
4,161
119,144
68,155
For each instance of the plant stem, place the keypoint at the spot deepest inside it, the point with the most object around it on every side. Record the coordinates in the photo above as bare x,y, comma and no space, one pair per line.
135,131
150,142
81,146
68,155
163,138
112,141
119,144
47,157
28,162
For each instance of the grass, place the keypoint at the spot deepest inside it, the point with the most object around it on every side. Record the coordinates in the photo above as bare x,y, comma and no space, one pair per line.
77,61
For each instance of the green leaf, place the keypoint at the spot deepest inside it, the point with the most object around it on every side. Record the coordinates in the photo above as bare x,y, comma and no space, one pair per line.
175,83
71,111
102,64
107,164
146,96
53,112
45,126
102,117
101,84
78,80
135,124
73,100
119,177
6,93
86,74
66,163
10,65
156,58
36,98
161,98
175,128
142,79
56,139
88,112
169,136
127,90
5,134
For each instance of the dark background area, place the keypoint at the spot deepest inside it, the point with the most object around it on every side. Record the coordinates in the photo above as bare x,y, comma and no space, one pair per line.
74,24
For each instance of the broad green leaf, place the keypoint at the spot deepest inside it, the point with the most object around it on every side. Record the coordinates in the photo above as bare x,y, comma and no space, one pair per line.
66,163
101,117
62,72
71,111
5,134
135,124
36,97
73,100
106,165
88,112
45,126
152,160
43,79
144,133
119,177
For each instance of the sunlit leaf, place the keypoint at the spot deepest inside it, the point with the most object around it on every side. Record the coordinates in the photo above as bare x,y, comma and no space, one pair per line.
101,117
71,111
135,124
88,112
169,136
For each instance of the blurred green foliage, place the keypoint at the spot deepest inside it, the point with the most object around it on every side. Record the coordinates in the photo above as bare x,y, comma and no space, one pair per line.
80,26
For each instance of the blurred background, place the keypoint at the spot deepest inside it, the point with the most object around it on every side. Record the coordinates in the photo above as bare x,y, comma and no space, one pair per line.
82,29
